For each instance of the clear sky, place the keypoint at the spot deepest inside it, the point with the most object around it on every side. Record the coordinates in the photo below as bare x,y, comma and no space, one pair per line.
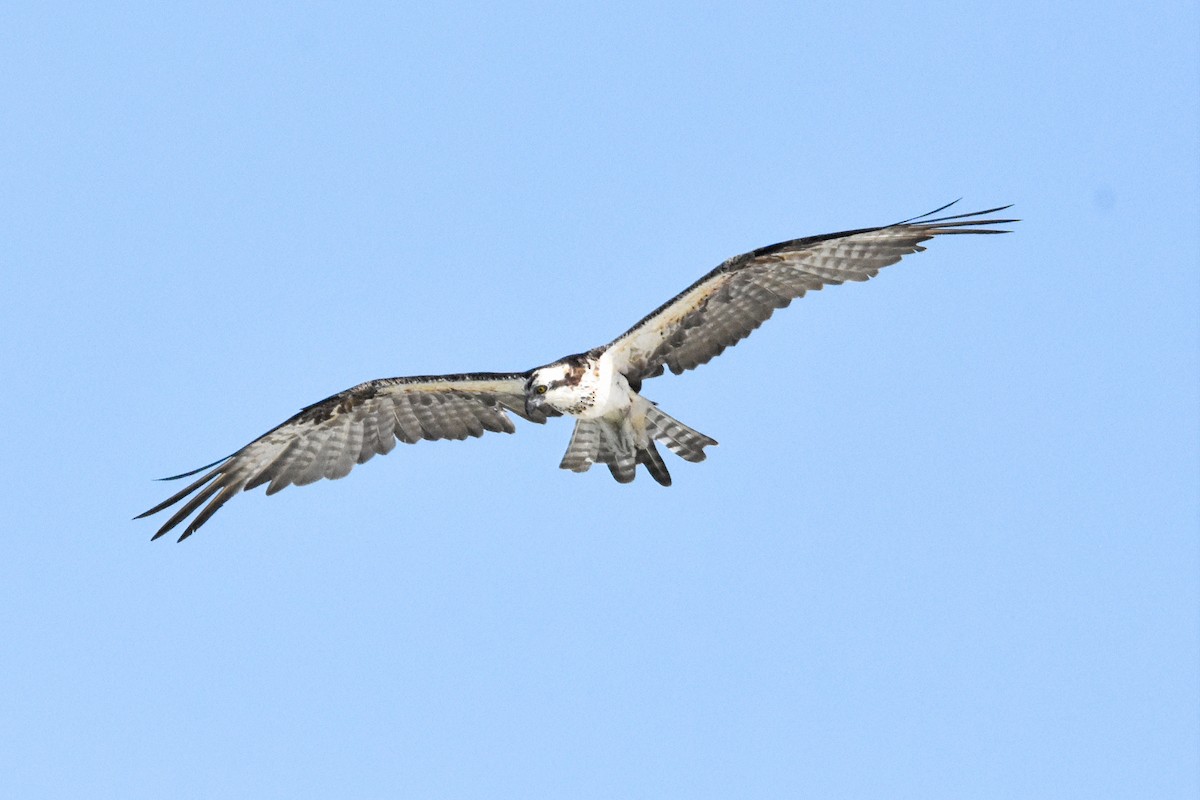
947,547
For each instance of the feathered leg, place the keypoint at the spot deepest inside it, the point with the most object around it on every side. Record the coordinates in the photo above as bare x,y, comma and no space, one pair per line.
626,441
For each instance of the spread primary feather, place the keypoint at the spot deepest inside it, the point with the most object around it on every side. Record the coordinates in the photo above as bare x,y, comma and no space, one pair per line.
614,424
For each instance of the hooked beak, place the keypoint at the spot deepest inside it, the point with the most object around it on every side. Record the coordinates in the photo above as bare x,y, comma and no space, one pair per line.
533,405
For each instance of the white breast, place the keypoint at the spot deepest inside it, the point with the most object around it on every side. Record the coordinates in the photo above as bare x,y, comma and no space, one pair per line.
612,393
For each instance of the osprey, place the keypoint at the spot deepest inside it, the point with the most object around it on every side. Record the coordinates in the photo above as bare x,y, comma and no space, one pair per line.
614,424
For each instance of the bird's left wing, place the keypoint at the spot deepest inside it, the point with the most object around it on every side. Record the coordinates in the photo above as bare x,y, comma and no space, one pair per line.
326,439
724,306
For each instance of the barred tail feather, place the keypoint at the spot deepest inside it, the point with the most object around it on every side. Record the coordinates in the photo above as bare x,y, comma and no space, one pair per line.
622,464
617,448
683,441
584,449
622,446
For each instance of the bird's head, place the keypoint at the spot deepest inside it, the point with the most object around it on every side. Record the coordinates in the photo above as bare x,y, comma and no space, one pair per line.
555,385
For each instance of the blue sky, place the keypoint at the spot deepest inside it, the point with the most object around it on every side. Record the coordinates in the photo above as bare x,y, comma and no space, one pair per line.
947,547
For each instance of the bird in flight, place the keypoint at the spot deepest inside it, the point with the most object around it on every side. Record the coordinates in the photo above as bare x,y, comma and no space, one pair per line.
614,424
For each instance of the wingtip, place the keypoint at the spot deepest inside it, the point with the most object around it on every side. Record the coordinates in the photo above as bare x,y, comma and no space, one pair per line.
924,219
165,529
937,210
994,210
194,471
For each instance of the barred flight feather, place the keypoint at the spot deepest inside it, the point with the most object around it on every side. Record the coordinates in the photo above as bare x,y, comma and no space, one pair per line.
615,425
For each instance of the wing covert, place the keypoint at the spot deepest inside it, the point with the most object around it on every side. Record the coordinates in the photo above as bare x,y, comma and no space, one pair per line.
731,301
326,439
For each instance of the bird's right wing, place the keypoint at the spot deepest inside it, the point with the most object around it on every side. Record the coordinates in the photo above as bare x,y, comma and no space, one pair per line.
326,439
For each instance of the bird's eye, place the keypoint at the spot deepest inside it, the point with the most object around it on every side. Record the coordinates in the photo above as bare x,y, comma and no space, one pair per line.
540,389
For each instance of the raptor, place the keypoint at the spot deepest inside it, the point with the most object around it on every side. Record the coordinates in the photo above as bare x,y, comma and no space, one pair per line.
615,425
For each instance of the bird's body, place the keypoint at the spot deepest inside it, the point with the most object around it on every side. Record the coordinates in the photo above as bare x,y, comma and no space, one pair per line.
614,424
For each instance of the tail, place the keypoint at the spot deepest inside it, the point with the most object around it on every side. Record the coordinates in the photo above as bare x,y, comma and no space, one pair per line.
681,440
622,446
